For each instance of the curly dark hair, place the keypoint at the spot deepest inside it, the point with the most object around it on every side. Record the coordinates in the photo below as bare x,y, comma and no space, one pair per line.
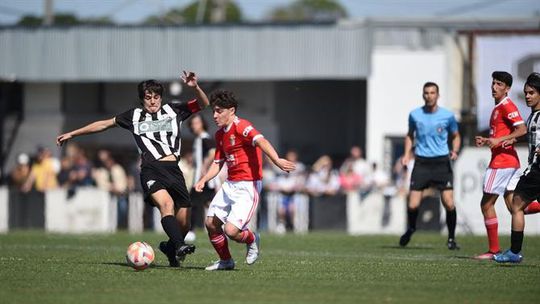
223,99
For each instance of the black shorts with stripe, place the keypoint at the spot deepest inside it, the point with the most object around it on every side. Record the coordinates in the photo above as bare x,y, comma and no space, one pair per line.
432,172
158,175
528,187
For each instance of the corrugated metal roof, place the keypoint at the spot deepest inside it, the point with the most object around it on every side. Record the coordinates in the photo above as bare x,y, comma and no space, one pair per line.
215,53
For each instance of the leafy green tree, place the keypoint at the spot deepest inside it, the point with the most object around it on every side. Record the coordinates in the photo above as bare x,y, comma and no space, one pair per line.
188,14
309,10
63,19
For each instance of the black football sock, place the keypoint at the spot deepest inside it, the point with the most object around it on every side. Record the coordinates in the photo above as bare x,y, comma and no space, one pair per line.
172,230
412,214
451,219
516,241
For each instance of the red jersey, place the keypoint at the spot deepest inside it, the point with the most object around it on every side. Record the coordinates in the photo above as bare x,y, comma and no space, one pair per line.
236,146
504,118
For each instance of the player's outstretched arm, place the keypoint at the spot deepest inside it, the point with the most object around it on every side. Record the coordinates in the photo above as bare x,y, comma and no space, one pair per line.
190,79
212,172
97,126
269,150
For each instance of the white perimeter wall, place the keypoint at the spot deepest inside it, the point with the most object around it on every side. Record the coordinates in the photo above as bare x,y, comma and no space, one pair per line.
468,181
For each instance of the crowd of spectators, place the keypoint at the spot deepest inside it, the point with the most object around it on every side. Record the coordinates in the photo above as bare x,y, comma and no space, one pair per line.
41,172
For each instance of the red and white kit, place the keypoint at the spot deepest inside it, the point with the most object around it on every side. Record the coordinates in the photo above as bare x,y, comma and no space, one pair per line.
236,201
503,171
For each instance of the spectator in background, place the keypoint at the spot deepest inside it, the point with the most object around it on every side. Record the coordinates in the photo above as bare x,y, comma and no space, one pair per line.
112,177
43,173
289,184
20,173
203,156
360,167
81,173
349,180
187,167
380,178
134,185
323,179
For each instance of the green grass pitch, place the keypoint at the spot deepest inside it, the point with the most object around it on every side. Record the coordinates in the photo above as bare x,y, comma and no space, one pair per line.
325,267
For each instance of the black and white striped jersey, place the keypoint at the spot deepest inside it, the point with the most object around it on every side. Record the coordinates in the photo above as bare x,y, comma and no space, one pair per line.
533,137
157,134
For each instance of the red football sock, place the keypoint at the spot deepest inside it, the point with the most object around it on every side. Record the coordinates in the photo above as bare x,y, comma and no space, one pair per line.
492,226
221,245
247,237
534,207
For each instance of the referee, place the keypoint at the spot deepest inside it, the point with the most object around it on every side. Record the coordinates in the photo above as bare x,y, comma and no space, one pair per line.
430,126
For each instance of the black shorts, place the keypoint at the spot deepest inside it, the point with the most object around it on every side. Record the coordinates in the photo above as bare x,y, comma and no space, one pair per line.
157,175
432,172
528,187
202,198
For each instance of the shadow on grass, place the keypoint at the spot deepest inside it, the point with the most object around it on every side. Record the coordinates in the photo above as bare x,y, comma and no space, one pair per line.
406,247
153,266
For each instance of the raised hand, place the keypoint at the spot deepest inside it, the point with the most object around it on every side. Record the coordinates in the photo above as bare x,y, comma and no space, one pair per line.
190,79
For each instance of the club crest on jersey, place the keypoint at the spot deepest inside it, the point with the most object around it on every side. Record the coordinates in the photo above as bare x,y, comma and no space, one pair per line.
232,140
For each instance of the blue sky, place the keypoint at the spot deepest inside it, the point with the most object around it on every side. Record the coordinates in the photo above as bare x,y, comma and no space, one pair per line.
134,11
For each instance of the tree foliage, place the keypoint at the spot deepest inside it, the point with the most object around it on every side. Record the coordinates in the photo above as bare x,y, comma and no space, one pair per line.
63,20
188,14
309,10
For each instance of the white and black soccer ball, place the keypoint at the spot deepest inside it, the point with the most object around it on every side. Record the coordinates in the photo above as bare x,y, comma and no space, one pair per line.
140,255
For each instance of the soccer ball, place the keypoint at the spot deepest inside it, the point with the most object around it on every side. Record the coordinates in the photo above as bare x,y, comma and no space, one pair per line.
139,255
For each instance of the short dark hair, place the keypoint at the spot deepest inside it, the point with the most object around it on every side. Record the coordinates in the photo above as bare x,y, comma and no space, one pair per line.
534,81
430,84
151,86
502,76
223,99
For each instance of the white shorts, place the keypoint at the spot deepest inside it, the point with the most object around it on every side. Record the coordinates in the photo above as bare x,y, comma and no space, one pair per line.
498,181
236,202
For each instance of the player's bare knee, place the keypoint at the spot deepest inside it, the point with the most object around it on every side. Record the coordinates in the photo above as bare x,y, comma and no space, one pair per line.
210,225
166,207
231,231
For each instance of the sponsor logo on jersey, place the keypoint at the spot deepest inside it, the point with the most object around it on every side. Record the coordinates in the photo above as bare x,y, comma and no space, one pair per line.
247,130
150,183
513,115
162,125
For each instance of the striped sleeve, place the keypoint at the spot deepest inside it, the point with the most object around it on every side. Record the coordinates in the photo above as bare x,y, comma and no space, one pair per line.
125,120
